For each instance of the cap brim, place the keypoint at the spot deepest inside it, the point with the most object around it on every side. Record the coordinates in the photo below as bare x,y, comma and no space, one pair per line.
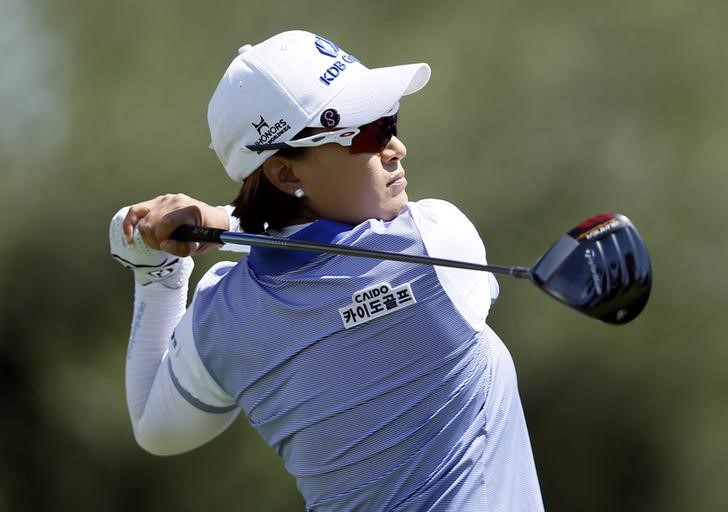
372,93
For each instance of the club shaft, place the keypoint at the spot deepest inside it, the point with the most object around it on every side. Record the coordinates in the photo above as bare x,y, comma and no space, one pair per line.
220,236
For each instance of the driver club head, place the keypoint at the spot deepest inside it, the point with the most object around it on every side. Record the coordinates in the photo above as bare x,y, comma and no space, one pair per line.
600,268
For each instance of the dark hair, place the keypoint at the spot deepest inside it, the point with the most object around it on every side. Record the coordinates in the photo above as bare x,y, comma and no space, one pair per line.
260,205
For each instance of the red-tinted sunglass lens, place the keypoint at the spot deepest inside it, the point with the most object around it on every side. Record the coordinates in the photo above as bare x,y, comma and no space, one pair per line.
374,137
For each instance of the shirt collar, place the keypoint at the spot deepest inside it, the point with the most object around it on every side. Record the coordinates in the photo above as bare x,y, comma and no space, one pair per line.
271,261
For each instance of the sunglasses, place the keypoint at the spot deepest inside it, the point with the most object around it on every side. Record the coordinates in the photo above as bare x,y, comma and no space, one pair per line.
369,138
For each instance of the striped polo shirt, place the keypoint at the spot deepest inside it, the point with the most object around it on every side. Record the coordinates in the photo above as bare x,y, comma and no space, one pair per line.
378,383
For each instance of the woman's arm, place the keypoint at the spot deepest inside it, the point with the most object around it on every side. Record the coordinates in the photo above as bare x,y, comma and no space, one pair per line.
164,418
174,404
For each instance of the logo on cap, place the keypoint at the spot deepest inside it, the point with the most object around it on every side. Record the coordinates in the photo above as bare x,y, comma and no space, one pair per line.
269,134
260,125
326,47
330,118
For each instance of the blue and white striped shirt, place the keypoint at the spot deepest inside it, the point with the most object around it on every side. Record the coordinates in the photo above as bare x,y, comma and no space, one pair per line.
377,382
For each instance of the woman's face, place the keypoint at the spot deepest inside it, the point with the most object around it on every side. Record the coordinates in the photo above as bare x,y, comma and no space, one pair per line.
353,188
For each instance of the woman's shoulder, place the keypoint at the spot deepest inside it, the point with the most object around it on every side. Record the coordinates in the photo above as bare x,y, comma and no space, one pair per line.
445,230
439,212
214,276
423,218
433,203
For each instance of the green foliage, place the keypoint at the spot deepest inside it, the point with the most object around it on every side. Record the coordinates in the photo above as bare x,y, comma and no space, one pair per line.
538,115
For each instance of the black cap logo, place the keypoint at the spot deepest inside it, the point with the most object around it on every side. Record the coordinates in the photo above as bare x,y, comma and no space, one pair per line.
260,125
330,118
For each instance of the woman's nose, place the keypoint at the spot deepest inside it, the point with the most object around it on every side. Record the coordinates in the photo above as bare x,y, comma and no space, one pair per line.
394,150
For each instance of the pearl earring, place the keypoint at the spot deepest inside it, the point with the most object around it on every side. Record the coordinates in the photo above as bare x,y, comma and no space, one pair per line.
299,193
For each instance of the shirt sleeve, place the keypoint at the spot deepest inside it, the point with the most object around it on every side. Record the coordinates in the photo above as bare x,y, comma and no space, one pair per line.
174,404
448,233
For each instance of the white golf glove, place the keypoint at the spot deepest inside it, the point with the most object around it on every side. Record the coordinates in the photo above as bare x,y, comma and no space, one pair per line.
149,265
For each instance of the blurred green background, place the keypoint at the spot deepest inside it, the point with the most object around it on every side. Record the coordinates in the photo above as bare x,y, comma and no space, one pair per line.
538,115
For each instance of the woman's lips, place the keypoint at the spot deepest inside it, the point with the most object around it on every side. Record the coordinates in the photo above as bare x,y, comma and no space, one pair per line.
398,183
397,178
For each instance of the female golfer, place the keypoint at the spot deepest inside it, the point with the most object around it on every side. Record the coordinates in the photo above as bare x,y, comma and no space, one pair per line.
378,383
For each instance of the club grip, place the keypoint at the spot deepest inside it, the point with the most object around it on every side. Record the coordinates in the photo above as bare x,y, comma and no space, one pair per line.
187,233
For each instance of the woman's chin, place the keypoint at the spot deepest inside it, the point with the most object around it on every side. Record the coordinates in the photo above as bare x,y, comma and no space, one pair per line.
390,212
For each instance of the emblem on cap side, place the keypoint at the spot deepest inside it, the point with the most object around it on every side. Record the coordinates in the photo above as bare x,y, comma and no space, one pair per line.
330,118
270,133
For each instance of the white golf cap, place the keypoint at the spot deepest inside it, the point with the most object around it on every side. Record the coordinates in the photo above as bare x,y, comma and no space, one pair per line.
275,89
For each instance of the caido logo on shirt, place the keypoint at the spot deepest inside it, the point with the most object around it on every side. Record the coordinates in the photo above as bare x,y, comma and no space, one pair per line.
376,301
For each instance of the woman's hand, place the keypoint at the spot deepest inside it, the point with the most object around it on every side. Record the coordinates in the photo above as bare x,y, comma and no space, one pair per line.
157,219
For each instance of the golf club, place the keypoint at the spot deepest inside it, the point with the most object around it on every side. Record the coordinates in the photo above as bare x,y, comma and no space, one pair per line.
600,268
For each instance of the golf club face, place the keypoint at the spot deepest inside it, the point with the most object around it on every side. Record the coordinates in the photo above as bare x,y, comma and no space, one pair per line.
601,268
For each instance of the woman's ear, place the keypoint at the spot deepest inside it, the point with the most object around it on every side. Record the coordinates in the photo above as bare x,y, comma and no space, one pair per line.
280,173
